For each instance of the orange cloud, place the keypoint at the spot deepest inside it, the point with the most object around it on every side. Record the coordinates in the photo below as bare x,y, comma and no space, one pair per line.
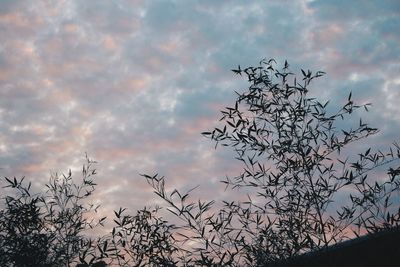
20,23
114,153
110,43
15,19
71,28
326,35
136,84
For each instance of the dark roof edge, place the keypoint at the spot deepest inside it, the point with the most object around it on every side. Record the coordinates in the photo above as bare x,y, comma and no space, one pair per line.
339,245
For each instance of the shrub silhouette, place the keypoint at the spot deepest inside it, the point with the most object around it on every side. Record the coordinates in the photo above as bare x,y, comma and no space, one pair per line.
294,172
295,169
46,229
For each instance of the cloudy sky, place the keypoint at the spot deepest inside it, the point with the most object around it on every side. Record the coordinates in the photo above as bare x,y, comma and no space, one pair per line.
133,83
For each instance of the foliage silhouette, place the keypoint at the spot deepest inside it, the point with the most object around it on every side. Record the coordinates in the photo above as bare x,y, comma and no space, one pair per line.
291,149
141,240
295,169
47,229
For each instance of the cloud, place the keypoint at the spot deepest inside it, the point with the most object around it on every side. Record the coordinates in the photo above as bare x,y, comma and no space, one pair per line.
133,83
354,10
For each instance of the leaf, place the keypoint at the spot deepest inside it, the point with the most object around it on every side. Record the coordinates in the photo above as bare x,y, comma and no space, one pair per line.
237,71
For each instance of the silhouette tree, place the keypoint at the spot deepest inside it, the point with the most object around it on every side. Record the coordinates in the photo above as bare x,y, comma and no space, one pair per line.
46,229
295,170
22,242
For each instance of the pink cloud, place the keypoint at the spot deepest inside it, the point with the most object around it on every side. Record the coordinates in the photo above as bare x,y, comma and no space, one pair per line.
19,22
326,35
110,43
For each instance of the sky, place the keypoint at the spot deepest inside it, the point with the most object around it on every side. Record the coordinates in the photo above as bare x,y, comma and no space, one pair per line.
133,83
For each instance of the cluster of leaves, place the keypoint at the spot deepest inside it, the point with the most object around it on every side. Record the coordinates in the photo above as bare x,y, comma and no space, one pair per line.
295,169
142,240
